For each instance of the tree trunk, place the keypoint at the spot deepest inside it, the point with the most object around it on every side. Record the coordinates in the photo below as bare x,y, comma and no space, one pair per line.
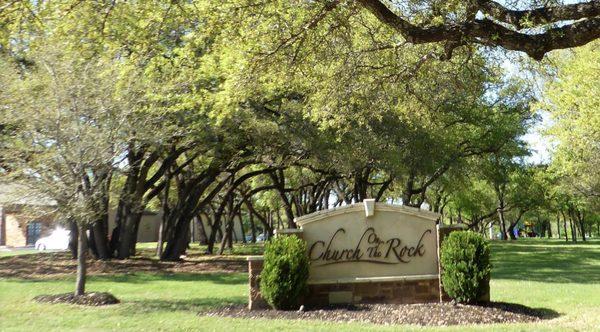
242,226
512,225
252,226
573,230
203,236
581,224
177,238
99,236
558,225
268,230
227,237
231,235
73,239
178,225
565,227
278,179
128,226
279,221
216,229
92,243
502,222
511,231
81,264
160,241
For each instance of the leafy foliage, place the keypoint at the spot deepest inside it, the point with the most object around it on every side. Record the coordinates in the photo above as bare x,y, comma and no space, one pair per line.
465,260
573,101
283,280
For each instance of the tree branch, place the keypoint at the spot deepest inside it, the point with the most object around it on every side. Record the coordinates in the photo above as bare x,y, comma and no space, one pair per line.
488,32
542,15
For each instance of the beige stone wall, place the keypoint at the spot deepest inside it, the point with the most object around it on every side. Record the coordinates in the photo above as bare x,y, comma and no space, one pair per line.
149,225
237,229
148,231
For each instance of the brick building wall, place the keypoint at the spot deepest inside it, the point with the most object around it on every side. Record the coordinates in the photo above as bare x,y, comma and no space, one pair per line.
14,221
15,226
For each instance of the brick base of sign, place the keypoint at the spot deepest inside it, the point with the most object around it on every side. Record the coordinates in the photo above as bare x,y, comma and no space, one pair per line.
255,266
397,292
392,292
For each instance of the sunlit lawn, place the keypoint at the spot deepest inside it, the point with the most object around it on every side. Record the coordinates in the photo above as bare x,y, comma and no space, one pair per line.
564,278
17,252
149,249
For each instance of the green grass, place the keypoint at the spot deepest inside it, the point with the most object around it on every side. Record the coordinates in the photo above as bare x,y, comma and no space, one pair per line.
17,252
149,249
559,277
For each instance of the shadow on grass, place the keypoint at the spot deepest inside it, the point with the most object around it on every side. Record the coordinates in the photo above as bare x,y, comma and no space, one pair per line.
542,313
547,261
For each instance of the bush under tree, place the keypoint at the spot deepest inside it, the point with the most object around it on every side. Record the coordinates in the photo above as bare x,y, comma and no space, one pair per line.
283,281
465,261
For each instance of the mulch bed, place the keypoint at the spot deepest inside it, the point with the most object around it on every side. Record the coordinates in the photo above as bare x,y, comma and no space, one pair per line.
90,299
432,314
50,265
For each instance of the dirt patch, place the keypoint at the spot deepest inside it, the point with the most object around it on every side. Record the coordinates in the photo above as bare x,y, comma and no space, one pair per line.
50,265
433,314
90,299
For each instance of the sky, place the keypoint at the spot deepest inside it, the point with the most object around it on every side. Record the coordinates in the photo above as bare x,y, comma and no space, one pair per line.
539,145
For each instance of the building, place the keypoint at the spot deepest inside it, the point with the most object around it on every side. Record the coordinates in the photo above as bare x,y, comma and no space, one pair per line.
25,217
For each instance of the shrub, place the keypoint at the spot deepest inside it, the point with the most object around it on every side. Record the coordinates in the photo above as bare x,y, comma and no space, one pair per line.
465,261
283,280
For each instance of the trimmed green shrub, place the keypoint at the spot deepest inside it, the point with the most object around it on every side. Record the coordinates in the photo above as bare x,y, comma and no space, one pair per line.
465,261
283,280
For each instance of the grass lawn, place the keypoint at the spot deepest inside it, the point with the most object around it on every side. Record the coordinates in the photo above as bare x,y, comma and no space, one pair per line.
562,278
7,252
149,249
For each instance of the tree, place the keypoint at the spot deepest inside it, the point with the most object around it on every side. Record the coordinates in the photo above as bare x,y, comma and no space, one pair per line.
529,27
534,30
572,98
68,113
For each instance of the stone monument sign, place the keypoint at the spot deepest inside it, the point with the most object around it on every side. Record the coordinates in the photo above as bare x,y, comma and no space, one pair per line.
367,253
353,243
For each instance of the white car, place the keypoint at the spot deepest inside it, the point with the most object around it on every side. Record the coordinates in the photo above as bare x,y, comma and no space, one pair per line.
260,238
58,240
